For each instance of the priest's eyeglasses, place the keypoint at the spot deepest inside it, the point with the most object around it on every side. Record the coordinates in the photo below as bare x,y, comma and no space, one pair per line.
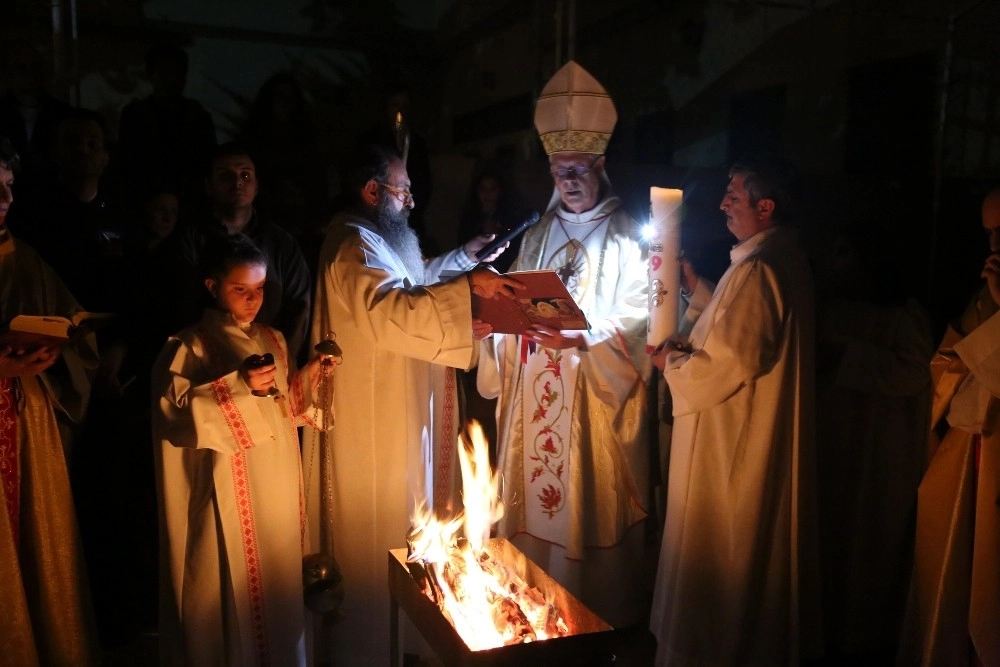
402,195
575,171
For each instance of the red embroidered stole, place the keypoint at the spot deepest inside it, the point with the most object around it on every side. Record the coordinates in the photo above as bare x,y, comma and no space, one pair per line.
10,472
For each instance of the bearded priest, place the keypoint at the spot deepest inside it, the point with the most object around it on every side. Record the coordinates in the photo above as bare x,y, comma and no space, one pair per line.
403,331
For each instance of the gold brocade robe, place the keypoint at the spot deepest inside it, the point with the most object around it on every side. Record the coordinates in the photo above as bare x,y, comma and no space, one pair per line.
606,490
45,614
955,595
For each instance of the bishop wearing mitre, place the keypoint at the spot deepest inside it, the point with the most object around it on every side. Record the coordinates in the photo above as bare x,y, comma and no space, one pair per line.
572,436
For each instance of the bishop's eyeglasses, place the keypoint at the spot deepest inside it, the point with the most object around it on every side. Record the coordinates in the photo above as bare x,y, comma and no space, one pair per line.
575,171
402,195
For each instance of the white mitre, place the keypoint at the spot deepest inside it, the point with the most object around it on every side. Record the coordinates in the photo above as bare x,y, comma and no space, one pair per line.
574,113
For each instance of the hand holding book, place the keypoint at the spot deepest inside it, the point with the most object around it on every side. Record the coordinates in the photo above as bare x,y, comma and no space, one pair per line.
28,332
555,339
24,363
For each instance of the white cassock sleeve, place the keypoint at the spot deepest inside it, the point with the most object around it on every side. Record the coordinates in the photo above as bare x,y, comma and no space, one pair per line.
737,345
431,323
202,415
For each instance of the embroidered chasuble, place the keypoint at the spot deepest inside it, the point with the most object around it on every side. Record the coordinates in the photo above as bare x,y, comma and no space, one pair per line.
573,443
550,385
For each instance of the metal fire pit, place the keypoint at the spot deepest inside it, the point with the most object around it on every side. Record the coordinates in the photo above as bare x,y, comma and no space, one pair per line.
591,641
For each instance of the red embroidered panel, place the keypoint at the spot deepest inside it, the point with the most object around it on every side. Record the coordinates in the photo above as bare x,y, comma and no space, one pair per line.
441,497
234,420
9,472
244,505
251,554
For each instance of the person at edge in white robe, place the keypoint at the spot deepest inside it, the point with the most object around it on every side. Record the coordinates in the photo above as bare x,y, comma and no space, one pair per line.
573,443
953,613
402,334
738,561
232,515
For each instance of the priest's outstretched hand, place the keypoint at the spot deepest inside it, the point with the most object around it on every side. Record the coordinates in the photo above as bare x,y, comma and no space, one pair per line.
474,245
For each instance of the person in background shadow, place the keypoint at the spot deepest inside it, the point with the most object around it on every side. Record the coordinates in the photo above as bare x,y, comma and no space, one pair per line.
29,114
282,137
953,613
872,407
165,137
231,185
492,208
72,220
125,520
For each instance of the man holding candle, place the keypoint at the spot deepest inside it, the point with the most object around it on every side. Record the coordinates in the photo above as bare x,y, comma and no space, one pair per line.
573,441
737,563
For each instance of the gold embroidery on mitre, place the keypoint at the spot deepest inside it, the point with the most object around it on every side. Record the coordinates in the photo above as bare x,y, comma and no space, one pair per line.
575,141
574,113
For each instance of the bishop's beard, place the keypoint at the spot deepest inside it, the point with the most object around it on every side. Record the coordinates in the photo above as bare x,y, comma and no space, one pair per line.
394,227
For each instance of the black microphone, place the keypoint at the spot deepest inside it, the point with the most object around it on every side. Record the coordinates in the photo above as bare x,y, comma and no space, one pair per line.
509,236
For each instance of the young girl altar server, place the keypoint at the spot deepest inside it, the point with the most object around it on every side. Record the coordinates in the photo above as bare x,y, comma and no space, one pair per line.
232,519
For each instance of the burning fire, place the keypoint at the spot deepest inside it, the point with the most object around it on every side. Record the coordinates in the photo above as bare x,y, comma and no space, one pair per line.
487,603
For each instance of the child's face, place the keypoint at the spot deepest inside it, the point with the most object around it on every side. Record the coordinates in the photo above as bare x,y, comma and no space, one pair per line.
240,292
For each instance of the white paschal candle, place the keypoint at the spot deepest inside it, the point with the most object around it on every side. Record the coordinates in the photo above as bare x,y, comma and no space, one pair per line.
664,236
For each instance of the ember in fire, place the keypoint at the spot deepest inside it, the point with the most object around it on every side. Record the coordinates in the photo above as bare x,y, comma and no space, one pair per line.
488,603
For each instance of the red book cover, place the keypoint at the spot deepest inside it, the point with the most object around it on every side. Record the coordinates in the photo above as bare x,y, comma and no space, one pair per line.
545,301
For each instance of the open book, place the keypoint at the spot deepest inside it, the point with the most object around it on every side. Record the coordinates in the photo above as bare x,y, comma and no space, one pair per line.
546,302
26,332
